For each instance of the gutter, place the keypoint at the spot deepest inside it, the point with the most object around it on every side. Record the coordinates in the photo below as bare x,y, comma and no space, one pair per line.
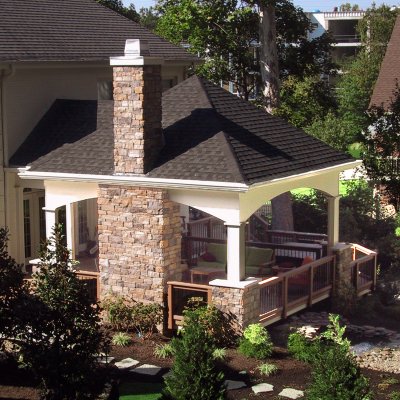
162,183
334,168
143,181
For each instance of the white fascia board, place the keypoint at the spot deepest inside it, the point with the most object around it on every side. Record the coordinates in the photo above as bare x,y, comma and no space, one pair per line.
143,181
309,174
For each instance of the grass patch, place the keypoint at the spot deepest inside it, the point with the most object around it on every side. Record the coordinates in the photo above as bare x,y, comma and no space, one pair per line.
140,391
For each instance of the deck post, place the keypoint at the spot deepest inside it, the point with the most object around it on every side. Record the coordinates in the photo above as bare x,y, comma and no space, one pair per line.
333,222
311,281
236,252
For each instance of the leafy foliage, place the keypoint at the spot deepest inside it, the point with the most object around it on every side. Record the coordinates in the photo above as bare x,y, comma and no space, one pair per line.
121,339
255,342
268,369
12,290
382,143
194,374
335,374
127,314
164,351
61,334
300,347
226,34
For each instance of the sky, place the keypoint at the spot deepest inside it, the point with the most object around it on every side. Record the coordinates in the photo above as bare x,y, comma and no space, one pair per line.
307,5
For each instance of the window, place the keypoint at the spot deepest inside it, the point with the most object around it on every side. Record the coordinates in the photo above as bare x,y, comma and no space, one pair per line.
83,222
27,229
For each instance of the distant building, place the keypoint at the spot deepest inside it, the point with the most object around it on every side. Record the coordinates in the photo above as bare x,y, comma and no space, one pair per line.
343,27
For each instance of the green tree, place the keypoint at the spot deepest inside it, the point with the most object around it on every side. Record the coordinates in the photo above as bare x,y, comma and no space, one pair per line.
117,6
382,148
148,17
12,290
227,34
304,101
61,334
194,375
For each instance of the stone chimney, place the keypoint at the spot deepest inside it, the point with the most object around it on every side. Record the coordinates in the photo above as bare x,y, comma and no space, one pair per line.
137,109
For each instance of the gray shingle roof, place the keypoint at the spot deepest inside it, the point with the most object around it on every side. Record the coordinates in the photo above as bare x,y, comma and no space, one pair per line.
389,72
210,134
71,30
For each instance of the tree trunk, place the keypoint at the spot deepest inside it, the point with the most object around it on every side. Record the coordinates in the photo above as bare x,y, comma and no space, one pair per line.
269,57
282,212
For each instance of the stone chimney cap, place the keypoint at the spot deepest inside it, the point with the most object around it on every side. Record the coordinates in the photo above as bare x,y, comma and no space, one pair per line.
136,47
137,52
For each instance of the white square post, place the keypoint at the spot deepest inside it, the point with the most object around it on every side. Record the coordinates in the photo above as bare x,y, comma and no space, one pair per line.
236,252
333,221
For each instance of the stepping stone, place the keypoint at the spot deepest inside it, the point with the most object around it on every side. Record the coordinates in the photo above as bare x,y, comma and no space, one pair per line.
262,388
126,363
234,385
146,369
243,373
105,359
291,393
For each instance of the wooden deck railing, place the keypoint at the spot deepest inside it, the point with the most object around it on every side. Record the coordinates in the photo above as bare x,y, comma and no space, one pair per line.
295,290
194,247
257,230
92,281
179,293
363,269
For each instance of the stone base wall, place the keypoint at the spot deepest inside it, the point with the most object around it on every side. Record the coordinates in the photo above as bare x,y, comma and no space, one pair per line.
344,296
242,305
139,242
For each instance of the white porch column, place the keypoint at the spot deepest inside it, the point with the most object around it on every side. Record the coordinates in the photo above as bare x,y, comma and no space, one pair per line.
333,221
236,252
69,214
50,214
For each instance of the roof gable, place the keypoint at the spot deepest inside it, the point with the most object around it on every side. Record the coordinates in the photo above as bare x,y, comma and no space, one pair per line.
389,72
72,30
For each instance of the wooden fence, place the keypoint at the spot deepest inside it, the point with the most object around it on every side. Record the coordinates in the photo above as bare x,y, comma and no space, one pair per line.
92,282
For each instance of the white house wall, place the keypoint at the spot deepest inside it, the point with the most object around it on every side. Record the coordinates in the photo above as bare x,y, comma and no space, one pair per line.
32,90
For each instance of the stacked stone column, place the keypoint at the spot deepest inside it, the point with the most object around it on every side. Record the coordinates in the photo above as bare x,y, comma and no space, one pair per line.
139,228
241,304
139,241
137,118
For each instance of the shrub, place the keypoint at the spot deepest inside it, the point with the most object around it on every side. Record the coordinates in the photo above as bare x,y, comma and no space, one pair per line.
12,291
194,375
126,314
164,351
255,342
118,312
62,327
394,396
121,339
219,353
146,317
214,321
267,369
300,347
336,375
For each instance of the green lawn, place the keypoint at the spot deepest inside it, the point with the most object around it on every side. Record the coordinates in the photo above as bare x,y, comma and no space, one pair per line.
140,391
306,191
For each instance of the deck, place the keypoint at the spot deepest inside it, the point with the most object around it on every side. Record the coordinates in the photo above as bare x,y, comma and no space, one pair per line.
288,292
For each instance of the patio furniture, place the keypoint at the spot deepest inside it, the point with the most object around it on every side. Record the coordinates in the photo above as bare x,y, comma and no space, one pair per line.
215,257
259,261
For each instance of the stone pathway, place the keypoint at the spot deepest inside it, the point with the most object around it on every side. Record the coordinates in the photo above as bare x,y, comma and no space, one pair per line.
291,393
262,388
382,354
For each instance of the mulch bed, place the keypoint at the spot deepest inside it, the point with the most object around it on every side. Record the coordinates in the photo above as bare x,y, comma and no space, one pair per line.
19,384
